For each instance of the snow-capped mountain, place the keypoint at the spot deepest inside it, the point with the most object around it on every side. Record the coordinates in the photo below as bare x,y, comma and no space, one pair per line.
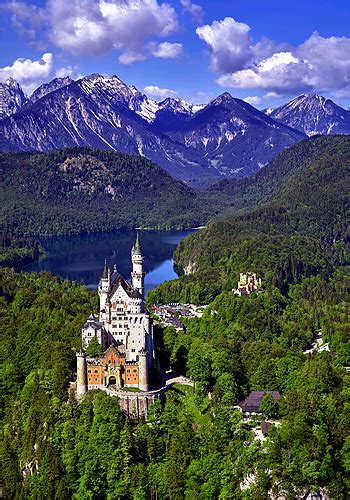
313,114
233,136
227,137
12,97
46,88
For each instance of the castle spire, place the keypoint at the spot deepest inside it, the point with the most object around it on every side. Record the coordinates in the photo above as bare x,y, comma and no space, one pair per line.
137,249
105,270
137,275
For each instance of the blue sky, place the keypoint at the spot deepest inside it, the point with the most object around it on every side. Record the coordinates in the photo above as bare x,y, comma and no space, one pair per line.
263,51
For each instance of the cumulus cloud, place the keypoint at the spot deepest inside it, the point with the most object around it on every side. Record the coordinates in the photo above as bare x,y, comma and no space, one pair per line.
29,74
194,10
254,100
166,50
130,57
26,18
281,72
229,43
155,91
95,27
72,71
318,64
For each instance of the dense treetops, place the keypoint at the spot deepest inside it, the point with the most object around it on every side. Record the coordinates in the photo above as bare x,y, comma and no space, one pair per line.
82,190
16,252
54,448
302,230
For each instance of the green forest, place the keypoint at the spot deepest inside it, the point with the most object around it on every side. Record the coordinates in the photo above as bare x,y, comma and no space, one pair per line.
17,252
82,190
196,444
302,230
191,446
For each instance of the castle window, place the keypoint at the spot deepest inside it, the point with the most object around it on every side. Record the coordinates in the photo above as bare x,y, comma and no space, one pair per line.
96,371
135,370
132,350
96,379
135,380
89,371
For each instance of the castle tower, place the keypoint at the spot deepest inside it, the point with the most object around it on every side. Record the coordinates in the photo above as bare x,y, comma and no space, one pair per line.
143,370
104,287
82,384
137,275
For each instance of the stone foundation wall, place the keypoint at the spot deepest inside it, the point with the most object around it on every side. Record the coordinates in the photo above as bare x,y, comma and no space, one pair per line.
136,404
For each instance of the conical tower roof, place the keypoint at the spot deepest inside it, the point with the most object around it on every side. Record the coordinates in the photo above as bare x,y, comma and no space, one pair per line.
105,270
137,249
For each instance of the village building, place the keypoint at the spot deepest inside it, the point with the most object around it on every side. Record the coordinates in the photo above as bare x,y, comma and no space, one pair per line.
251,405
123,329
247,284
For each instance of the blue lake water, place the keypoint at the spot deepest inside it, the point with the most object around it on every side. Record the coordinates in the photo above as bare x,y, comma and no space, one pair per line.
81,258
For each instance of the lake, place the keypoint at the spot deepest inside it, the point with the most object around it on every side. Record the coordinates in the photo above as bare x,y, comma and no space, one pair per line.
81,258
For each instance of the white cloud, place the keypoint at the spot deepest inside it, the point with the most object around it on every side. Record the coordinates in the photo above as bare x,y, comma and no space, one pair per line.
281,72
29,74
254,100
194,10
96,27
328,60
72,71
271,95
319,64
155,91
166,50
229,42
130,57
26,18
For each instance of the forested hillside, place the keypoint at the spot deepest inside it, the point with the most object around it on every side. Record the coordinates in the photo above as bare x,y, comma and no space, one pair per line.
268,182
83,190
302,230
53,448
16,252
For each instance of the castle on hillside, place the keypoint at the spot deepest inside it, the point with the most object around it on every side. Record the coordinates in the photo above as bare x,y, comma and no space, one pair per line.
124,330
247,284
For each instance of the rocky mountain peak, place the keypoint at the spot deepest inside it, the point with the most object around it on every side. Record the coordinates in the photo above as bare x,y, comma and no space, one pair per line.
47,88
313,114
225,98
12,97
11,82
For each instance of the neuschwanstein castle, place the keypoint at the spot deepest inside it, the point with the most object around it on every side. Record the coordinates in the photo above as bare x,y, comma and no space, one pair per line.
124,329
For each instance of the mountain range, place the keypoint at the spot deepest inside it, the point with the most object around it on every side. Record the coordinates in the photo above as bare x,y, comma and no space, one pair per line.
200,144
225,138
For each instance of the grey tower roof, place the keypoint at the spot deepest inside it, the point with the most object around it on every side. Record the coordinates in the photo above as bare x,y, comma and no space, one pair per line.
136,249
105,270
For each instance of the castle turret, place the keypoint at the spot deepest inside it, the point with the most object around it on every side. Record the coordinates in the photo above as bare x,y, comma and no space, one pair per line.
137,258
104,288
143,370
82,384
